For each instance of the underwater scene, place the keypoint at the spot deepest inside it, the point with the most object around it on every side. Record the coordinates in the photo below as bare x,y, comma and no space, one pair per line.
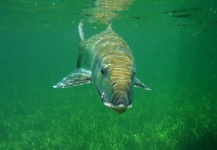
175,51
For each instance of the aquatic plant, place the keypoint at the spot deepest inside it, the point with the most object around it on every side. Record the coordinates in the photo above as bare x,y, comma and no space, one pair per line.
83,127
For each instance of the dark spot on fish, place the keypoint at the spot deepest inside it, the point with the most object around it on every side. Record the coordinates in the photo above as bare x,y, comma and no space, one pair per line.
113,83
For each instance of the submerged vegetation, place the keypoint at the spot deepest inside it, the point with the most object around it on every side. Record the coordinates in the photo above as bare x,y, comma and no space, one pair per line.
180,113
148,125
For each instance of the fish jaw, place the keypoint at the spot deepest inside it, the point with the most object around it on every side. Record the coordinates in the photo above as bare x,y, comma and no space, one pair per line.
119,109
119,102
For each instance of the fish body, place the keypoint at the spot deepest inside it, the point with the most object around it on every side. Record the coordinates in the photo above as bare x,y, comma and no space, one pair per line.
110,67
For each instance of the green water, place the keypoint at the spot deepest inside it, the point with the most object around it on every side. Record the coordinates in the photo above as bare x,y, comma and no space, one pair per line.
174,45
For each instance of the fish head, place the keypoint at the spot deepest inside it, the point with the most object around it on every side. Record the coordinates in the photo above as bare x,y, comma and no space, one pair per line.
114,83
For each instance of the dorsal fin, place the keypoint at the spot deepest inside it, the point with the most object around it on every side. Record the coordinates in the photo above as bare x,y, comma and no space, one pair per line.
81,35
109,25
80,31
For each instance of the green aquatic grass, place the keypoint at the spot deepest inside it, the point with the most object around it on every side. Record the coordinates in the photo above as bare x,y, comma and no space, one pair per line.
68,126
176,57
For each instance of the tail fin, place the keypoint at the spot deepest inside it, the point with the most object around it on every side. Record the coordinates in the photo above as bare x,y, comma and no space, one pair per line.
80,31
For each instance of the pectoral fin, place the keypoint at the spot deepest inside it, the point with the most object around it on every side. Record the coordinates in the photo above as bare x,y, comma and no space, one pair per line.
77,77
139,84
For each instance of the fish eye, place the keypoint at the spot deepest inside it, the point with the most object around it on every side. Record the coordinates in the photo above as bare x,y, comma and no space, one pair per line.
103,70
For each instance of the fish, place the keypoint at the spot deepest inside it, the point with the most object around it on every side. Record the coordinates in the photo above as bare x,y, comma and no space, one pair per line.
106,61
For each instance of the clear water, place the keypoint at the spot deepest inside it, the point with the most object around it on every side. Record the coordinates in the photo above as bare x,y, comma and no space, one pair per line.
174,44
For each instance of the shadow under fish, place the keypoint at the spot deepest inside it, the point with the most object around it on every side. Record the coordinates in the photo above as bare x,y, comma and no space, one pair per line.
111,68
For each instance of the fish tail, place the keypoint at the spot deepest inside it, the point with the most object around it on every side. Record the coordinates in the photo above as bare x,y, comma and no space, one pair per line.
80,31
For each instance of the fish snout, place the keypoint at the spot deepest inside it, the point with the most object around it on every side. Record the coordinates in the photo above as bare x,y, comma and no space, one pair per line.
120,99
119,102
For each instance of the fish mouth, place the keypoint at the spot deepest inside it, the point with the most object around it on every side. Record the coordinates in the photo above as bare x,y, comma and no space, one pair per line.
119,108
119,102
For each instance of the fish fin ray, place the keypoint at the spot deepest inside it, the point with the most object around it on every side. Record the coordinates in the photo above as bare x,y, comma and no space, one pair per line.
139,84
77,77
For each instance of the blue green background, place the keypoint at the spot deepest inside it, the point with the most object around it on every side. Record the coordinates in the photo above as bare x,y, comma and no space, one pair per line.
174,45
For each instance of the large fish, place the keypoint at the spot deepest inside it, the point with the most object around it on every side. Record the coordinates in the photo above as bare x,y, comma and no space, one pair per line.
111,68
